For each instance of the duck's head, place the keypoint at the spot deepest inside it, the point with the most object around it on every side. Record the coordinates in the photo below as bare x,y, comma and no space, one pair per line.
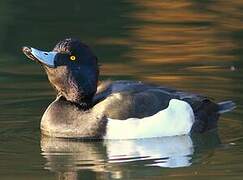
71,68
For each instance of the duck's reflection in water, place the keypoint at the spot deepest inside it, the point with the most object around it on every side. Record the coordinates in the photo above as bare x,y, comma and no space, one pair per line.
68,157
165,152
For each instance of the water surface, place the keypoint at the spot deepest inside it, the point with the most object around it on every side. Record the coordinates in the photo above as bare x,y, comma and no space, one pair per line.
191,45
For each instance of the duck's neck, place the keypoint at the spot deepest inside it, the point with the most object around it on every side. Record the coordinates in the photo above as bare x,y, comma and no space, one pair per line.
83,104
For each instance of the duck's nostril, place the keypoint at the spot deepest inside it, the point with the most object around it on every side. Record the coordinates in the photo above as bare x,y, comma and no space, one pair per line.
46,53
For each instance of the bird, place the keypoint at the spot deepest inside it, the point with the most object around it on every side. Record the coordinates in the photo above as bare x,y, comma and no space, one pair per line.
89,109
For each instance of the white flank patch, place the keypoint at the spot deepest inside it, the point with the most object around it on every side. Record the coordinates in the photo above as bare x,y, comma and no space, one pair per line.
176,119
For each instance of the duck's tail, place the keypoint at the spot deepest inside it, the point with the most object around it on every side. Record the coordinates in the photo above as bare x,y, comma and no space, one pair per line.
226,106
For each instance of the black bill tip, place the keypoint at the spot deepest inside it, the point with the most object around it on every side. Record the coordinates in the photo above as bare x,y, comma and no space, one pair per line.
28,52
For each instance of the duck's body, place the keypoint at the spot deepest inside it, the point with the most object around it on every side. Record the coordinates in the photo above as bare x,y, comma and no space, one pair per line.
130,110
119,109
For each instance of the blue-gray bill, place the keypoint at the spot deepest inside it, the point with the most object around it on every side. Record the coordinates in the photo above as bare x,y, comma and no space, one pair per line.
46,58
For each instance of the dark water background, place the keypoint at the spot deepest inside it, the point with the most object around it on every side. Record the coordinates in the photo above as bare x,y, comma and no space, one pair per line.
192,45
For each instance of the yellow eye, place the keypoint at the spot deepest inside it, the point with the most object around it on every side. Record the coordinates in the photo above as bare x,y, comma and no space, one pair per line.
72,58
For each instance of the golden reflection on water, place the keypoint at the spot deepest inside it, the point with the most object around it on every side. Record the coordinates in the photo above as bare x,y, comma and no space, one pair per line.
188,44
181,32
